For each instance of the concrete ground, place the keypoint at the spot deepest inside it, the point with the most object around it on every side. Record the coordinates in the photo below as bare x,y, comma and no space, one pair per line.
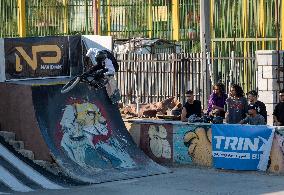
185,180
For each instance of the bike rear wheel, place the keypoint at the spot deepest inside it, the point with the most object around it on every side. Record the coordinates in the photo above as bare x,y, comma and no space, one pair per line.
70,85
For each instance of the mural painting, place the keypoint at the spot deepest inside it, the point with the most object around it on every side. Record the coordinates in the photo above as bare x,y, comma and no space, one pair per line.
87,137
156,142
192,144
277,153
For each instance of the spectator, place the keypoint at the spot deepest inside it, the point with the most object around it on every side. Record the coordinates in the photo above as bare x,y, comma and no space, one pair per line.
261,108
190,107
236,105
253,117
278,113
217,100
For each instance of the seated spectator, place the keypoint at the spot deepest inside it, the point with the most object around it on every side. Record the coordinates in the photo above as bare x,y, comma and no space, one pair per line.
261,108
190,107
236,105
217,100
253,117
278,113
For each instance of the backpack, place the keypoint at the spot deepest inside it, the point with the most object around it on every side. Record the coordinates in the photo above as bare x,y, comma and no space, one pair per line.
113,60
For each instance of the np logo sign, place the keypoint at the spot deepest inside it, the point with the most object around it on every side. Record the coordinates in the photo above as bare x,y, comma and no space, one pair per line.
36,57
32,61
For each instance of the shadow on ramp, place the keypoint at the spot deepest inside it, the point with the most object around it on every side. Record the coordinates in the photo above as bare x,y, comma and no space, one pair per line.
87,137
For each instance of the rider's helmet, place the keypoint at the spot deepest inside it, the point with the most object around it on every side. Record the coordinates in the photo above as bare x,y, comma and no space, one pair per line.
100,56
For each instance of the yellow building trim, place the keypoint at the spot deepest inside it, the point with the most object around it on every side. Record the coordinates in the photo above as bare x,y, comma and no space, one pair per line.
108,18
99,17
176,22
212,2
245,26
282,25
22,18
262,21
150,18
65,19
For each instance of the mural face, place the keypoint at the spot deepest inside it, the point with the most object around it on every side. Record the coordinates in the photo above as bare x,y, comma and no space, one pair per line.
159,144
199,145
156,142
86,136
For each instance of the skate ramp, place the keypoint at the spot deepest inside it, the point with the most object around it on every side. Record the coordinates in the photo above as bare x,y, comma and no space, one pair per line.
19,174
85,133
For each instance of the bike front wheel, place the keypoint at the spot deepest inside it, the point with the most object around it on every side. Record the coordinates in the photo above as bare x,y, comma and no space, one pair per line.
70,85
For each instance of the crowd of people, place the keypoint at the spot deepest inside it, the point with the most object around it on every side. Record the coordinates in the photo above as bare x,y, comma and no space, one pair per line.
234,108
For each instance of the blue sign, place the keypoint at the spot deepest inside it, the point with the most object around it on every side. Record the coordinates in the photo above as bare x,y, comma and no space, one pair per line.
241,147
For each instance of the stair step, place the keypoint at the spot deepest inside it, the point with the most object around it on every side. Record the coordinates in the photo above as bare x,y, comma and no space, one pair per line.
52,167
18,145
8,136
27,153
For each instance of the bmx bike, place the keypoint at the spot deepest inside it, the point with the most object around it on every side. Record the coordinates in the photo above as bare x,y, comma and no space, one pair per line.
93,78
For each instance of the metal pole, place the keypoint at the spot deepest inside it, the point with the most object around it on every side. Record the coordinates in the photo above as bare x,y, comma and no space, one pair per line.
87,17
65,20
176,21
108,18
282,24
150,19
277,43
205,43
96,17
22,18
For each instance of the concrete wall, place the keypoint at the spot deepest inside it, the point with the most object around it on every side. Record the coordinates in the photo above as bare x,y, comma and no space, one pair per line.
267,79
17,115
172,142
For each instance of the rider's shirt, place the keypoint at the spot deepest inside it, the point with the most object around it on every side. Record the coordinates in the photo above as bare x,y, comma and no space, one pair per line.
92,53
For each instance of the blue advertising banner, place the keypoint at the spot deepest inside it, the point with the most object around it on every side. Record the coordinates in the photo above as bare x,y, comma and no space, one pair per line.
241,147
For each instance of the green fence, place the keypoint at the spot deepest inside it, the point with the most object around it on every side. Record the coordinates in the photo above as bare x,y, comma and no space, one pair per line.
8,18
238,27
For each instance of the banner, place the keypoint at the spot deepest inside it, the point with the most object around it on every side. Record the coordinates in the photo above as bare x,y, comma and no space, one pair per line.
75,50
241,147
36,57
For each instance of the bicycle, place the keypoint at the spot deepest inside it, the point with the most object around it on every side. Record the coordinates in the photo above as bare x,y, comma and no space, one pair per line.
93,78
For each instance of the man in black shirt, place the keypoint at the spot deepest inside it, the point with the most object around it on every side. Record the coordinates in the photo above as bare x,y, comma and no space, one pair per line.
278,113
261,108
190,107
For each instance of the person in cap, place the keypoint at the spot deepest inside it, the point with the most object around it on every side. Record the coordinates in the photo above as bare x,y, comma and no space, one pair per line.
278,113
253,117
261,108
104,63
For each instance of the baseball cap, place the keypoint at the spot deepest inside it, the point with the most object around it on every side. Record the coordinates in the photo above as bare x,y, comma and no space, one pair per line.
252,106
253,92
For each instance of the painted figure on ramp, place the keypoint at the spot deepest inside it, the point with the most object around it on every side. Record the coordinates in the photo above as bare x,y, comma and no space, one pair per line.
86,136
